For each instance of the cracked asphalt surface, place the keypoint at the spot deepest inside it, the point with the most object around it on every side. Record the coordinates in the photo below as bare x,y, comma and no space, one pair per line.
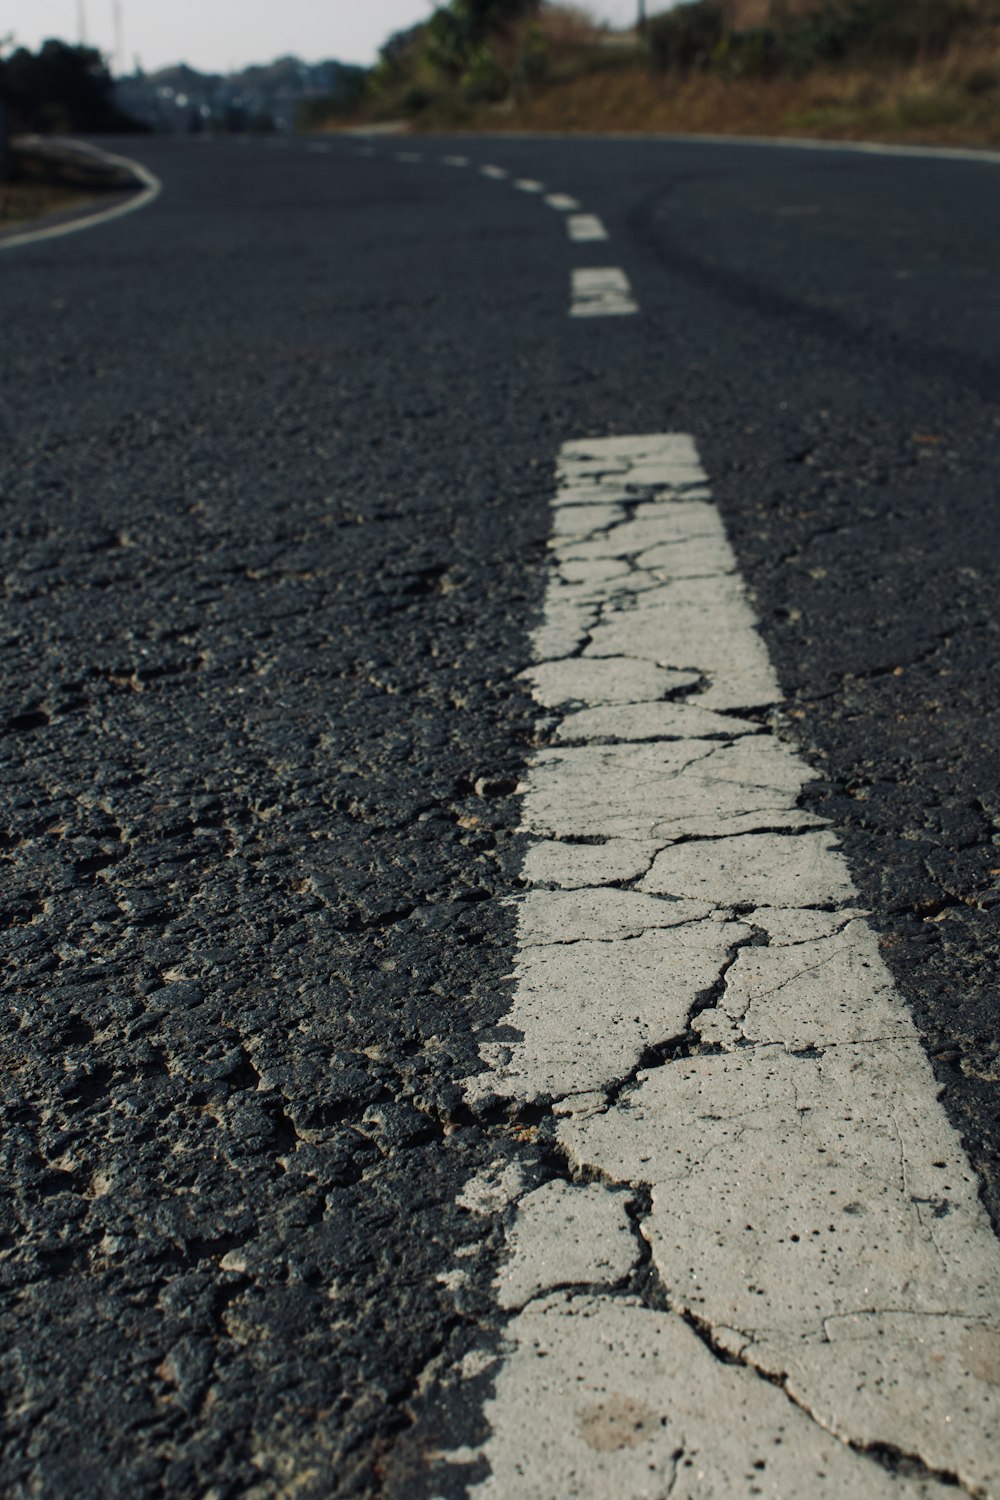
275,470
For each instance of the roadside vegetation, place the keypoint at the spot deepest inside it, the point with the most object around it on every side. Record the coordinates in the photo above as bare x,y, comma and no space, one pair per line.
908,70
58,90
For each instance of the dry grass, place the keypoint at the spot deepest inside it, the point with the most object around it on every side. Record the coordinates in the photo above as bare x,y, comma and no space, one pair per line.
952,101
24,203
599,81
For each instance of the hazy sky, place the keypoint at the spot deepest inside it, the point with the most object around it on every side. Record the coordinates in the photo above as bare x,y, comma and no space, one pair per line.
216,35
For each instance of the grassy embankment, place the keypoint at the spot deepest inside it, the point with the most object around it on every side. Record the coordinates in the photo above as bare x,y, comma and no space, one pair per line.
27,203
892,70
50,179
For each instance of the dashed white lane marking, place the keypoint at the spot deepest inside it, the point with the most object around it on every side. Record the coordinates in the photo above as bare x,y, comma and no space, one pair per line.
151,189
601,292
562,202
455,161
586,228
706,1011
497,173
409,156
529,185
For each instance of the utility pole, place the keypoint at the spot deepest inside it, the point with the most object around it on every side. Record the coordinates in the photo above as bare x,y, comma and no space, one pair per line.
119,38
81,22
640,24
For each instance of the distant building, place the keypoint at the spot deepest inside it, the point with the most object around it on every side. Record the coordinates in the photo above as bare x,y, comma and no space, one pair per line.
264,97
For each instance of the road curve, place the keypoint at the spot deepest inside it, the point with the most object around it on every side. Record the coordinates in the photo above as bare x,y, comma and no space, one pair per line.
288,461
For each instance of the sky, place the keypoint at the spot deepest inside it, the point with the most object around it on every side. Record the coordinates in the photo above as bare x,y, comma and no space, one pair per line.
219,35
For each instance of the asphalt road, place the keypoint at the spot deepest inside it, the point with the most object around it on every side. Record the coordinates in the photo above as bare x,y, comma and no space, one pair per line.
275,467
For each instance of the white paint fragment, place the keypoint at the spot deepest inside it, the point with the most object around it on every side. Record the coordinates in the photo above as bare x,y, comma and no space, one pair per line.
806,995
678,789
584,680
572,866
455,161
605,1398
586,229
598,915
492,1190
810,1191
633,720
592,1008
601,292
779,870
704,1007
529,185
565,1236
562,202
496,173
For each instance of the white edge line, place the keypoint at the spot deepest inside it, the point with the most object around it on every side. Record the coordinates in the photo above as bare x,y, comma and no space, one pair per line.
789,142
152,189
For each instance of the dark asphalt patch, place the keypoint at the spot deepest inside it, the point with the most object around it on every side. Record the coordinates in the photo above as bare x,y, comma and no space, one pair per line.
267,584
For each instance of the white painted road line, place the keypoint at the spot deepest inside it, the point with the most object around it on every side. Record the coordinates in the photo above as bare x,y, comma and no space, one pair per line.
455,161
529,185
151,189
585,228
705,1010
495,172
562,202
601,292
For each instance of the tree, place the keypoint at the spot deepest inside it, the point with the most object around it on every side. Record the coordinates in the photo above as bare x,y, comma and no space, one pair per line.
457,31
63,88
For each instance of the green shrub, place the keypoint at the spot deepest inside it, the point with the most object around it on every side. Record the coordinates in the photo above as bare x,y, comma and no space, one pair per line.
693,35
982,80
416,98
533,57
63,88
484,80
686,37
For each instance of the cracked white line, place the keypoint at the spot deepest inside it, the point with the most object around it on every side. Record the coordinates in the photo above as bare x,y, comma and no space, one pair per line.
585,228
757,1166
601,292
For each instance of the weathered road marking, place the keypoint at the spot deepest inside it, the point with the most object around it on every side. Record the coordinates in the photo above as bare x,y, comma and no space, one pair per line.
585,228
455,161
766,1270
601,292
497,173
529,185
151,189
562,202
409,156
